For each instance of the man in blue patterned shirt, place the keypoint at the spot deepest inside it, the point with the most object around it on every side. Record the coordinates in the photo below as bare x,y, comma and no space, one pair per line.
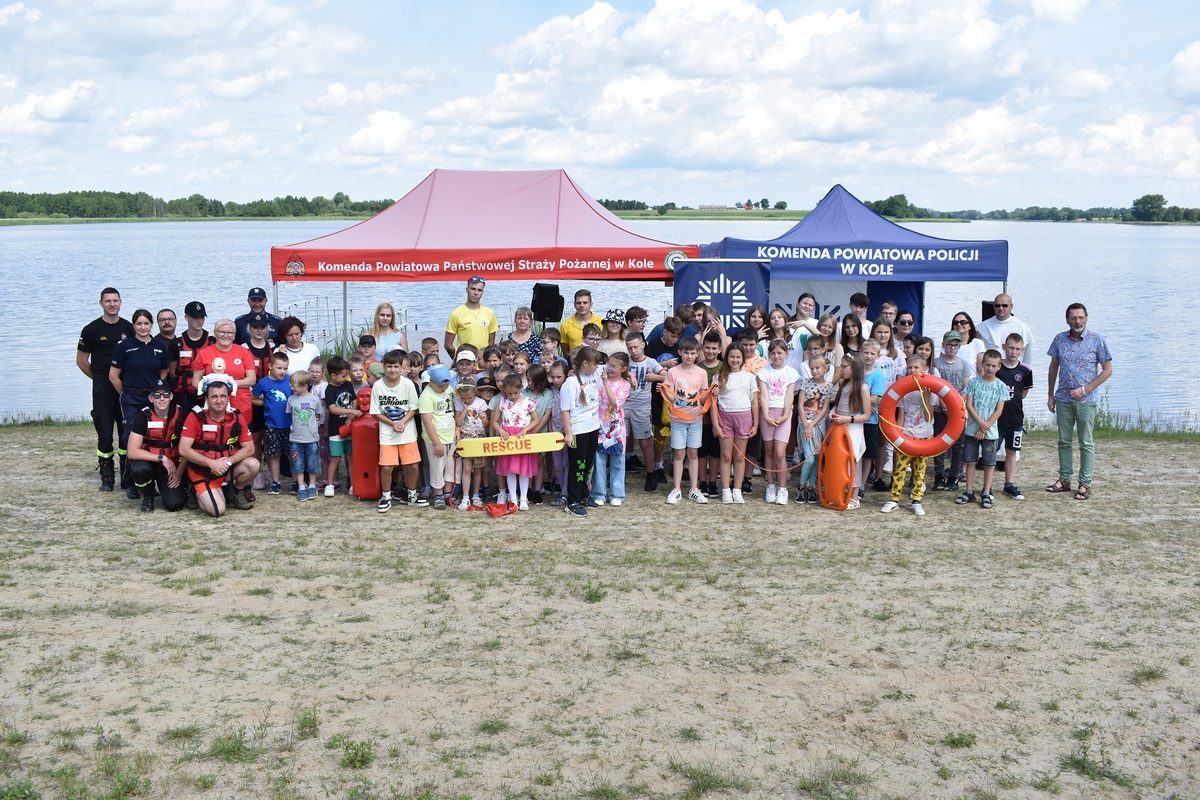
1079,364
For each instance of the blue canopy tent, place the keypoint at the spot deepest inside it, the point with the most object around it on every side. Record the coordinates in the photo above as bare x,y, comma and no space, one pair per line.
843,247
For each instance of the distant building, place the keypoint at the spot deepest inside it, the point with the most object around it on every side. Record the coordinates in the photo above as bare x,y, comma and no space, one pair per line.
716,207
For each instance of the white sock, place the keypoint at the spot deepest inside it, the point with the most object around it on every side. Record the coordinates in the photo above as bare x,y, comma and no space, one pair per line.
523,484
511,479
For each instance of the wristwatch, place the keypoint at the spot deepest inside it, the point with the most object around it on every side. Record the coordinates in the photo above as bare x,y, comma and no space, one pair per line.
160,458
228,463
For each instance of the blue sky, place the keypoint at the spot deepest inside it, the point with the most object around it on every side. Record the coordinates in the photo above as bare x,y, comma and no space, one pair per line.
957,104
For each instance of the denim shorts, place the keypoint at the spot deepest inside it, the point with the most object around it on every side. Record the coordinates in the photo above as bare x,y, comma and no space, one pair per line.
305,458
686,435
977,449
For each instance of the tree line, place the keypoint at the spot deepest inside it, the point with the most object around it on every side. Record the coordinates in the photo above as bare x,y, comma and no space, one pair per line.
1147,208
140,205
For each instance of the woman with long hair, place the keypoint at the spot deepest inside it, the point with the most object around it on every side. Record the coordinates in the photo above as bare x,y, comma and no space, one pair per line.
972,342
383,328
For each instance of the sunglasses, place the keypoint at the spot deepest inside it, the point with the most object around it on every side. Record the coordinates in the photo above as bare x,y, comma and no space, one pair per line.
907,322
160,395
476,279
961,322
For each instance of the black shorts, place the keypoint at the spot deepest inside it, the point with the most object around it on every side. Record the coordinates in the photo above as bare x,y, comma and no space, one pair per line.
710,445
276,441
871,439
1012,438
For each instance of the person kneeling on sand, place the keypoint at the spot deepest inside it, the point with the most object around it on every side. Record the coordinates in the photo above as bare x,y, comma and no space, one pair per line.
219,450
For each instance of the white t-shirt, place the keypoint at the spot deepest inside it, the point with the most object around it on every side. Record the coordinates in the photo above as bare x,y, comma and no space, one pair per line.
395,402
994,332
739,391
776,383
585,414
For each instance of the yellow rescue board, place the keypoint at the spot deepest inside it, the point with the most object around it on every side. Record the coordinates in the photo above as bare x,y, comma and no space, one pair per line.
512,446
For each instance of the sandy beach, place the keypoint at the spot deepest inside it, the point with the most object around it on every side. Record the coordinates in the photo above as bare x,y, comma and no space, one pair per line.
319,649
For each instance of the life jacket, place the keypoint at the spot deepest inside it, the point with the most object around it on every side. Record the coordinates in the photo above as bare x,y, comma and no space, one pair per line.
162,436
686,409
216,439
183,372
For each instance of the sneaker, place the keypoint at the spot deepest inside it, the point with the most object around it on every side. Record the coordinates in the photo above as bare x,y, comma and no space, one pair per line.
465,505
802,496
384,505
880,485
889,507
939,483
132,493
965,497
697,496
190,498
1012,491
321,486
726,497
713,490
747,487
476,501
651,482
616,501
986,501
523,505
813,497
241,502
275,488
592,502
439,502
312,492
330,491
771,493
781,496
756,472
416,500
502,498
249,494
951,485
634,464
558,500
673,497
660,476
737,497
575,508
535,498
147,500
917,508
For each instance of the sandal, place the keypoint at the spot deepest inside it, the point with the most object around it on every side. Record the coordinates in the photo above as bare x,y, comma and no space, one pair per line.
1058,487
1084,492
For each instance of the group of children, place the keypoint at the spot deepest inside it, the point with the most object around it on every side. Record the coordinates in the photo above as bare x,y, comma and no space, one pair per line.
720,411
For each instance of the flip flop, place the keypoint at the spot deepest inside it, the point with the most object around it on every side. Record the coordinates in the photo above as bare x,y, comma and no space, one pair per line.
1084,492
1058,487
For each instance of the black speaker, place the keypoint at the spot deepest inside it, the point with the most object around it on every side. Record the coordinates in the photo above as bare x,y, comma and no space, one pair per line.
547,302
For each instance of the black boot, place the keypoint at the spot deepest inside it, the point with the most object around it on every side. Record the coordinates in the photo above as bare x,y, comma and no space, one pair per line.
126,481
148,499
108,476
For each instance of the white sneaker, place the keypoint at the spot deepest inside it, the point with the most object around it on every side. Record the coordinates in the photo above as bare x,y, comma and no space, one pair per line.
616,501
726,497
770,494
673,497
889,507
737,497
330,491
697,496
781,496
598,501
917,508
465,505
524,506
502,498
756,472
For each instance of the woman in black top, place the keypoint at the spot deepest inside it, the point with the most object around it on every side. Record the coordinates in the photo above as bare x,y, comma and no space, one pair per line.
138,363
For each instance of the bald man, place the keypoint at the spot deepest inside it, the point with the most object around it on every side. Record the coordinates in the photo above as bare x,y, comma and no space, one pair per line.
995,330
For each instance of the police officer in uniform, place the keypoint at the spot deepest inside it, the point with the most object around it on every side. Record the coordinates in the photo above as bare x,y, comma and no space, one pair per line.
258,305
94,358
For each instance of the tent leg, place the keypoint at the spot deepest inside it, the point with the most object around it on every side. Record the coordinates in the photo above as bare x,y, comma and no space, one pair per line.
345,311
275,291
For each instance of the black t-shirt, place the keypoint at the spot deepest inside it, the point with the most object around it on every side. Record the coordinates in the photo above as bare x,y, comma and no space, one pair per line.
140,363
1017,379
241,327
656,348
339,397
99,339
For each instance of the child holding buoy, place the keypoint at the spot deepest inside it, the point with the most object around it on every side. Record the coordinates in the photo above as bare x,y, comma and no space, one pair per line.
852,407
914,416
734,420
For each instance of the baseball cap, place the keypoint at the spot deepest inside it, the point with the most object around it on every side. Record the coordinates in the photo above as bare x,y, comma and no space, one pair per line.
486,383
195,310
951,336
159,386
366,338
464,355
257,293
257,320
439,373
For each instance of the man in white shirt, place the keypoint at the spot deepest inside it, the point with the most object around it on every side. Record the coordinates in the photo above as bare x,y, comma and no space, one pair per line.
995,330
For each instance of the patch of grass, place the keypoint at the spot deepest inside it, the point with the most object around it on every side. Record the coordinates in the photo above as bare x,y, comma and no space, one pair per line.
959,740
945,773
1047,783
690,734
834,779
899,694
260,591
126,610
184,733
603,791
201,591
307,723
1145,673
356,618
15,738
1007,704
248,619
19,789
358,755
592,593
1099,767
206,781
493,726
233,747
706,778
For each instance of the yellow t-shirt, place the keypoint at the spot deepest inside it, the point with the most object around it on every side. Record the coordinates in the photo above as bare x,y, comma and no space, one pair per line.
572,332
472,326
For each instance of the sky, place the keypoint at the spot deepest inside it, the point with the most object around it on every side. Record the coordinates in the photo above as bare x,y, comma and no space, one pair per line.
961,104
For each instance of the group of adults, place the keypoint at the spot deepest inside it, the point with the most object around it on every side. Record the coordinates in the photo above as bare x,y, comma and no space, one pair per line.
136,375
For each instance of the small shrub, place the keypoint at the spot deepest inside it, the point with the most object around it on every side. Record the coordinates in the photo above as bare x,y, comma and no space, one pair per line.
958,740
307,724
493,725
358,755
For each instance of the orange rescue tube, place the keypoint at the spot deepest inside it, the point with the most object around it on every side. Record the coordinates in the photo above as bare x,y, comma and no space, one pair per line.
956,416
835,469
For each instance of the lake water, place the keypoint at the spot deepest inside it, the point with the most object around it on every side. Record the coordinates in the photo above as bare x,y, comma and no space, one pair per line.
1126,275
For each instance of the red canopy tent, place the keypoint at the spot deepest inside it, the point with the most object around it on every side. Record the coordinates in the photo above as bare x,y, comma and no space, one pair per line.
532,225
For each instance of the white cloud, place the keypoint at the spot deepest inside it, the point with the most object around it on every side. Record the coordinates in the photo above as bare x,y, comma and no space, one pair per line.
144,170
14,12
1059,10
1185,70
340,98
131,144
8,82
37,112
386,134
1080,84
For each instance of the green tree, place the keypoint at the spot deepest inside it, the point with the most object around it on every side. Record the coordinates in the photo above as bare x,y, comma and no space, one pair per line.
764,204
1149,208
781,205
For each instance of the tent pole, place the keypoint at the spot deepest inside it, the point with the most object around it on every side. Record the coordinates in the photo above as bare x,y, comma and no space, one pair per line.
275,291
345,311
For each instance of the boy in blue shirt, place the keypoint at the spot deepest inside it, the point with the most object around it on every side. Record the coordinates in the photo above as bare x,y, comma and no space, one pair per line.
1018,378
272,393
985,395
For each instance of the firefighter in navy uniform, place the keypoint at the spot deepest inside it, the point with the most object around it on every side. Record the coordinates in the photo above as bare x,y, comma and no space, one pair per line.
94,358
154,450
219,450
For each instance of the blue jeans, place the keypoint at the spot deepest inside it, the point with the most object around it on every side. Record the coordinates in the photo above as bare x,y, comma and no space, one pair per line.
608,478
306,458
808,473
1072,418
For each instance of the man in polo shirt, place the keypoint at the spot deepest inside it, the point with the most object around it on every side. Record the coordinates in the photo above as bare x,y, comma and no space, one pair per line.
1079,364
257,300
571,329
471,323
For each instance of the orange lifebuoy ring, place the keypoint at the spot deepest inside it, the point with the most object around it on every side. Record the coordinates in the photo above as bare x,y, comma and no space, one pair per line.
956,416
